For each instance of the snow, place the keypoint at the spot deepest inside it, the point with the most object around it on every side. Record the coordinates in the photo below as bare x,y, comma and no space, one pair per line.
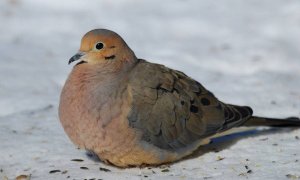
246,52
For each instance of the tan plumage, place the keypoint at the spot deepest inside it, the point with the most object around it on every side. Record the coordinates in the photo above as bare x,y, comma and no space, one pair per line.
132,112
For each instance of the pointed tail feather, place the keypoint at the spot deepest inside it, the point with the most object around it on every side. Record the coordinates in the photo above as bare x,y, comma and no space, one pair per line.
262,121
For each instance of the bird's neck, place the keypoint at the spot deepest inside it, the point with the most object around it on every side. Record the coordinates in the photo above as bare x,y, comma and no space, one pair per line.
97,82
88,77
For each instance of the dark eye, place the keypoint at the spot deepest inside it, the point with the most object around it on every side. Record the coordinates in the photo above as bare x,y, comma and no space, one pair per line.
99,45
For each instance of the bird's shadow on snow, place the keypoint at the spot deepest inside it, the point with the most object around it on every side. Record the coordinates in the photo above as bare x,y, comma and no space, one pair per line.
224,142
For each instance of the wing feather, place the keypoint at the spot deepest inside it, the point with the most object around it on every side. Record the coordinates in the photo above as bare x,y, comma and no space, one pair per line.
173,111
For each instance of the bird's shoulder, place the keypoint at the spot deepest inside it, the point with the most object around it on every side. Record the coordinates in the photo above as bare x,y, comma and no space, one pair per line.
152,75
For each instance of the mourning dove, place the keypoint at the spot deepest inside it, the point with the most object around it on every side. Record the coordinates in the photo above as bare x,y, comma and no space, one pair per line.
131,112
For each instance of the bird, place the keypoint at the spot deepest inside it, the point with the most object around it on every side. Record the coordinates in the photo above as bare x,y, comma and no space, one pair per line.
131,112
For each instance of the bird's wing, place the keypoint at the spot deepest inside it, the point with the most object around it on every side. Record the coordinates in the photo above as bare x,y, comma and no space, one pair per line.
173,111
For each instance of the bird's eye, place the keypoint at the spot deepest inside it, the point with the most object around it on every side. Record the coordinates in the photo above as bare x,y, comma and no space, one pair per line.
99,45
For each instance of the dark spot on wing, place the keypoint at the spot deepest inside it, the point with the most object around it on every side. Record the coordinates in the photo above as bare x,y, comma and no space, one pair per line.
175,90
182,102
198,93
194,109
205,101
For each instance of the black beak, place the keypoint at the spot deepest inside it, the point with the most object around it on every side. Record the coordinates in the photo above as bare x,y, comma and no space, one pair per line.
76,57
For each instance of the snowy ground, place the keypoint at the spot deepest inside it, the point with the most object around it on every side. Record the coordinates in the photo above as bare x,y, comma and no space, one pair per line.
246,52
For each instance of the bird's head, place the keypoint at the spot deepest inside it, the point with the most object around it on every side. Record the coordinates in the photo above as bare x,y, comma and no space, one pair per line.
102,46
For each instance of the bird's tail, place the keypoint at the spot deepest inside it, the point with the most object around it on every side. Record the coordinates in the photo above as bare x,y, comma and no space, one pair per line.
262,121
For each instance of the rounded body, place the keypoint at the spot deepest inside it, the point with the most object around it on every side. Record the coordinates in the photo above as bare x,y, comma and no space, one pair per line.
95,118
